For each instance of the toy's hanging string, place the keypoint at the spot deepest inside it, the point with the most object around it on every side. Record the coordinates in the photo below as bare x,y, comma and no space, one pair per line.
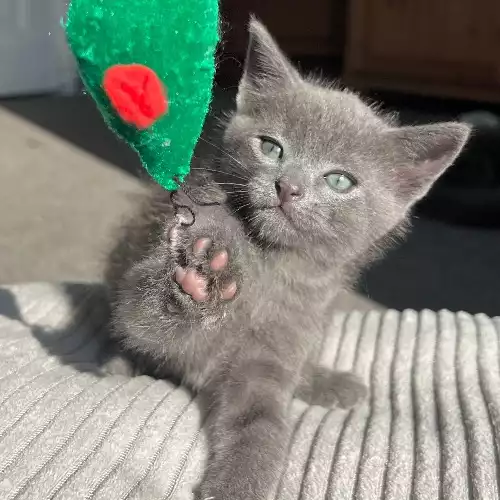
179,206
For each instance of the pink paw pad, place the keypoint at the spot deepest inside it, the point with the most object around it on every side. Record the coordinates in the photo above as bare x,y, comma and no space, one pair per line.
195,284
192,283
229,291
219,261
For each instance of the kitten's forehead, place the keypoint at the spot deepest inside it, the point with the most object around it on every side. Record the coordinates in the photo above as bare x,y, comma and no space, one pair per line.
329,107
311,104
320,120
349,107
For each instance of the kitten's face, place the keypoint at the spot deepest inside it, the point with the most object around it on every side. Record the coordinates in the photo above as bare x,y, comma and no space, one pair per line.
316,165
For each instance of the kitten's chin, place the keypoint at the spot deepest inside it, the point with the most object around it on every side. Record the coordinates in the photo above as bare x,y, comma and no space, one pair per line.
275,225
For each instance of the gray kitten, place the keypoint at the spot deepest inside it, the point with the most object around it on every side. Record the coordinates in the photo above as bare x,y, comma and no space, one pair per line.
308,182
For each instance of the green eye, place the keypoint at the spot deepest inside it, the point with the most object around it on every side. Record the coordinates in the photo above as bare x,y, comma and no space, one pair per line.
340,182
271,148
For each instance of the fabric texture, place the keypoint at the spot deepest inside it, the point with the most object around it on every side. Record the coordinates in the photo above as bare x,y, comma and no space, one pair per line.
429,430
176,40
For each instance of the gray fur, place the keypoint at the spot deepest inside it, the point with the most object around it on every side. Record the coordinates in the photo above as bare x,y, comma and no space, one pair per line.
249,356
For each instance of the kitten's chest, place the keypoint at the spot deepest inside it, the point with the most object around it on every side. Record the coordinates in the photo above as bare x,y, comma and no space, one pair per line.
289,296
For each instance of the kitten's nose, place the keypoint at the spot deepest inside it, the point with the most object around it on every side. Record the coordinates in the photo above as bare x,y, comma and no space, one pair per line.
288,191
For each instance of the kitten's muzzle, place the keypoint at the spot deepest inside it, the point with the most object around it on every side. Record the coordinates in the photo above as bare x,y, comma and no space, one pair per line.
288,191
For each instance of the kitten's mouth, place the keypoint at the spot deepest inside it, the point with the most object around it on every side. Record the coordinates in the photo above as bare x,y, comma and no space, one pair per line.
275,208
274,224
282,213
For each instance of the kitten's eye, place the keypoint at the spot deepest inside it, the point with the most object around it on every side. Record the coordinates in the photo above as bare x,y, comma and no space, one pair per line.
271,148
340,182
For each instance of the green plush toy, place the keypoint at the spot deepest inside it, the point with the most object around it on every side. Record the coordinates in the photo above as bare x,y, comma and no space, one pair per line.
149,65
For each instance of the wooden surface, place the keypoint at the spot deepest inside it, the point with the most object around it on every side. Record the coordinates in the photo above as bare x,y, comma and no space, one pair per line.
313,27
443,47
312,32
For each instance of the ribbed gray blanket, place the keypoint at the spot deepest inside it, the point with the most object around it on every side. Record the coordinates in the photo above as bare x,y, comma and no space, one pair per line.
430,429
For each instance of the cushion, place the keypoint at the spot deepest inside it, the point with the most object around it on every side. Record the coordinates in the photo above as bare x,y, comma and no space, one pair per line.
71,430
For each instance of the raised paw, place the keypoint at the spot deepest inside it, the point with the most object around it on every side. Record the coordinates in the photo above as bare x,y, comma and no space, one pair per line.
206,274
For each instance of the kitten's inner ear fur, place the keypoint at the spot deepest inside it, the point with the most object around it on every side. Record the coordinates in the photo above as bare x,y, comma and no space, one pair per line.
427,151
266,67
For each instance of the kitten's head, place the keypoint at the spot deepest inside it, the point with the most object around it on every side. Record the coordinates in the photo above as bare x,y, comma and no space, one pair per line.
316,165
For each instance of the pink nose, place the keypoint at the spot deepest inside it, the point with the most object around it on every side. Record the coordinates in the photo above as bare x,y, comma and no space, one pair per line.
287,191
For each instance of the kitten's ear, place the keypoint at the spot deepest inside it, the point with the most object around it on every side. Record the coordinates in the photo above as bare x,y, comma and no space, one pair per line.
266,67
428,150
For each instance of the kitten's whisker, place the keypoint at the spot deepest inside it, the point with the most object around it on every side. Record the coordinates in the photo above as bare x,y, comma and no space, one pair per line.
241,207
231,167
222,150
240,192
222,172
240,199
231,184
252,218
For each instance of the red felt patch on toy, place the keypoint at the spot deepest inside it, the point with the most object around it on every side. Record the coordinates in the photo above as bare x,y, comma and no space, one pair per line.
136,93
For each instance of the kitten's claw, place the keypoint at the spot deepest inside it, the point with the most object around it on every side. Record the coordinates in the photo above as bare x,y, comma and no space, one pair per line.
206,276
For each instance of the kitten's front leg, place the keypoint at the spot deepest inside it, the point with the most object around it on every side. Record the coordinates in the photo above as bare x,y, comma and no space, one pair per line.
248,432
166,302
